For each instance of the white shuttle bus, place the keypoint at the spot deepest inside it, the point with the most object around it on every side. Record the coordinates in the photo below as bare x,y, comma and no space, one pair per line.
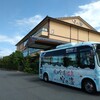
76,65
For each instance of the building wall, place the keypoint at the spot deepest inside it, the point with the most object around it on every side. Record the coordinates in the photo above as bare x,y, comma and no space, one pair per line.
74,34
20,47
71,34
61,32
43,32
94,37
83,35
75,21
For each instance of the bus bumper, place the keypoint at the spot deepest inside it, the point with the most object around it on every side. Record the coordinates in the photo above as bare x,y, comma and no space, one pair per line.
98,84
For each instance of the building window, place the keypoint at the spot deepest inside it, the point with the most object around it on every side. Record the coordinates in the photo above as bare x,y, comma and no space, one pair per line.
25,52
44,29
33,50
25,42
30,51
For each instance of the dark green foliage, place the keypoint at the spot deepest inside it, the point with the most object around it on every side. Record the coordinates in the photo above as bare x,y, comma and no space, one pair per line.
31,64
27,64
35,66
16,61
12,62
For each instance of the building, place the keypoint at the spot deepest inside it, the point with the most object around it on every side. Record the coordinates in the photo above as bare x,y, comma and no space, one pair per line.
51,32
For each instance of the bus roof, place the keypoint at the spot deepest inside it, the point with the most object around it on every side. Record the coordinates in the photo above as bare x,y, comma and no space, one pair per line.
69,45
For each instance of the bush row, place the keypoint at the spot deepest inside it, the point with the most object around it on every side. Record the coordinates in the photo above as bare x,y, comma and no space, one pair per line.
16,61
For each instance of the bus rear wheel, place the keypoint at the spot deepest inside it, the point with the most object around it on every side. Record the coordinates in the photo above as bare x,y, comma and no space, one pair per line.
89,86
45,77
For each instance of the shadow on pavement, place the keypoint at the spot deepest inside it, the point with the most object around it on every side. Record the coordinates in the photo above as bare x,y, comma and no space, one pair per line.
60,87
17,74
51,85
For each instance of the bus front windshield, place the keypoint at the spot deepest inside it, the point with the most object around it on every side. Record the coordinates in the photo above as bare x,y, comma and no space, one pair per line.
98,53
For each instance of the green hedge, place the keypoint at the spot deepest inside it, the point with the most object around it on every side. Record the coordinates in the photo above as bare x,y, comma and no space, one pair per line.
16,61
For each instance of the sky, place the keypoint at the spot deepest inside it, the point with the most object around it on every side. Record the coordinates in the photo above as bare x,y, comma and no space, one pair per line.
18,17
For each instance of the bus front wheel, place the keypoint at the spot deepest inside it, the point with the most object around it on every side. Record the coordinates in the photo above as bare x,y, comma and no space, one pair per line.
45,77
89,86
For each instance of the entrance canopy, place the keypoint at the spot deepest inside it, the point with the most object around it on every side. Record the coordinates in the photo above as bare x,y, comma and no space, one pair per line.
42,43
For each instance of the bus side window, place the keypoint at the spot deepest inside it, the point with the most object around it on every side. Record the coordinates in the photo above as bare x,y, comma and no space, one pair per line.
70,60
86,60
46,60
86,57
66,61
60,60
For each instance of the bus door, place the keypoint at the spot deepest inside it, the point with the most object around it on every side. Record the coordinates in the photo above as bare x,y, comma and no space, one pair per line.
57,62
85,63
70,63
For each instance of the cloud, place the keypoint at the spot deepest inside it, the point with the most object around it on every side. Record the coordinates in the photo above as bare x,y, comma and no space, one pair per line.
12,40
5,51
7,44
91,13
27,24
23,26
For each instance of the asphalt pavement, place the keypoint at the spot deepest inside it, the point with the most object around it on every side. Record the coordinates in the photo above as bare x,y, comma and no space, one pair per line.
15,85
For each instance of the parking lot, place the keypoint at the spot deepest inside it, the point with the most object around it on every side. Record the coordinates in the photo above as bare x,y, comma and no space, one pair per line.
16,85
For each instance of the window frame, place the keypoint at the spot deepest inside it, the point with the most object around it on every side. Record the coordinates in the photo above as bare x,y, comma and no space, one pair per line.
85,49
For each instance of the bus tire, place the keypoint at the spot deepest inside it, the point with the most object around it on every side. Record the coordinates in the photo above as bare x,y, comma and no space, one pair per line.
45,77
89,86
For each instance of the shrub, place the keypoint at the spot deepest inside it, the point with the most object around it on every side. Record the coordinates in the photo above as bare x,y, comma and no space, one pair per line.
16,61
28,70
12,62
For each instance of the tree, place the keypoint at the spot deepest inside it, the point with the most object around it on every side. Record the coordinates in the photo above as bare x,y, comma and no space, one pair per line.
18,60
13,61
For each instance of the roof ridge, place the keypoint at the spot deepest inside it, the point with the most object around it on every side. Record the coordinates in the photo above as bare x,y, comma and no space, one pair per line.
67,17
